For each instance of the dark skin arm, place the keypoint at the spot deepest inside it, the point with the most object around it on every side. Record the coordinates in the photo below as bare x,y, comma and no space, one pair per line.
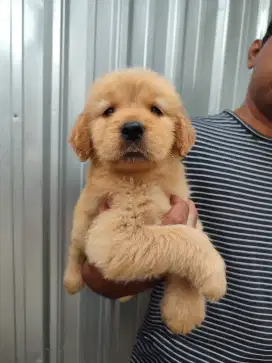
178,214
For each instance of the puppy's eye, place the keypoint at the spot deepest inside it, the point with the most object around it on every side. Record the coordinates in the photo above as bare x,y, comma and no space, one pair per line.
156,110
109,111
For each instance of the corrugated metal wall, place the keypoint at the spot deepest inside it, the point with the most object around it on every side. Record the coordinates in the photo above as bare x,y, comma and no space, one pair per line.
50,52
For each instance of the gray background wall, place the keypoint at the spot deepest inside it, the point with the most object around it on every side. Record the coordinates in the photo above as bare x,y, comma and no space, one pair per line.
50,51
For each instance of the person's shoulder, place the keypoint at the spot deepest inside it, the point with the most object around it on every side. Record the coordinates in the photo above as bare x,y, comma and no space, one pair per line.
209,133
221,119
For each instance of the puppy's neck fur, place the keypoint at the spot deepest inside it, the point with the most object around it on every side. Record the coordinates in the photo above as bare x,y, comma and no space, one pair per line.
163,169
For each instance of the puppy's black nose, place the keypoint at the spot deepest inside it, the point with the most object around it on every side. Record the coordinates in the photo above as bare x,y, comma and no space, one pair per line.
132,131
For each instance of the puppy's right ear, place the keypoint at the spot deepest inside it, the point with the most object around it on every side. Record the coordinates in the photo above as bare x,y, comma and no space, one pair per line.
80,138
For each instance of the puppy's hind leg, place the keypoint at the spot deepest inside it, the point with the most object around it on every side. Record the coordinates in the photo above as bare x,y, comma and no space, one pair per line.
73,281
183,306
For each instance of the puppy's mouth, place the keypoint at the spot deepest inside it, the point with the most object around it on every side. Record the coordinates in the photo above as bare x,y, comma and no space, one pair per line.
133,153
134,156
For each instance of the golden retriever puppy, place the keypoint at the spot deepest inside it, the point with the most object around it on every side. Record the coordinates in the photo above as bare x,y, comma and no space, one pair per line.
135,132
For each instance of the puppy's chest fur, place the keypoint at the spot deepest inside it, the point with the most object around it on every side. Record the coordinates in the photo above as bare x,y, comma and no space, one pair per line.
145,197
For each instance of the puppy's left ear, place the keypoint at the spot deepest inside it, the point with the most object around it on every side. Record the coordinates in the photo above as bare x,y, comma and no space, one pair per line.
185,134
80,138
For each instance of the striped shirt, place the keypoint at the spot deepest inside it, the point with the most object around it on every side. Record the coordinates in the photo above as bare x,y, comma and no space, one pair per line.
230,173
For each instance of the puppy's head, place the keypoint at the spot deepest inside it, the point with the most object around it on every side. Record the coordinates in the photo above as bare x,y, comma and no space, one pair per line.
133,118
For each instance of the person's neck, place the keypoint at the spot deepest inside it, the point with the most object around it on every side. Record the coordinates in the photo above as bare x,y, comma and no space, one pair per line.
250,114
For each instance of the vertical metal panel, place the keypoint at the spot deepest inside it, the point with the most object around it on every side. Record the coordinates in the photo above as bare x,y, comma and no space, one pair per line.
32,93
50,52
7,321
55,170
219,55
21,181
175,34
142,37
17,164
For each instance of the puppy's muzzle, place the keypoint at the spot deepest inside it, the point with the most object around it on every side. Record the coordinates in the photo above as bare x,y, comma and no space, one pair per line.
132,131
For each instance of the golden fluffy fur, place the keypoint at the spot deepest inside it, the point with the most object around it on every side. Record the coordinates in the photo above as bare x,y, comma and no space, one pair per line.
127,242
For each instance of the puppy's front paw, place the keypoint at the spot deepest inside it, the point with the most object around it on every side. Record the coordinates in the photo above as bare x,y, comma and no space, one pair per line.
73,281
182,316
214,286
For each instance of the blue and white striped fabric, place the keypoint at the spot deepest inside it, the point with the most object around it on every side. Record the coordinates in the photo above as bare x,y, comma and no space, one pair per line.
230,173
